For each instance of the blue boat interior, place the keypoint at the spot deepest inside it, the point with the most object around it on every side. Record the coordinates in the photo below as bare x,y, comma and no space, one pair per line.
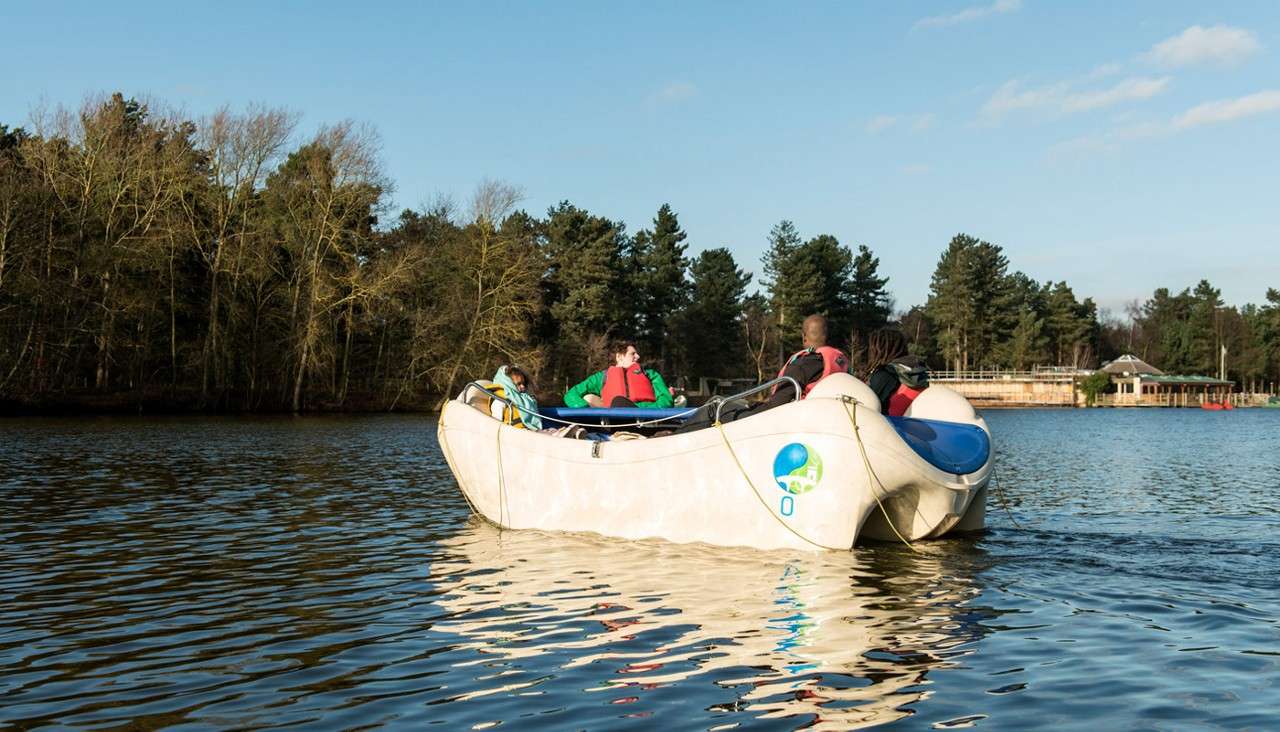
948,446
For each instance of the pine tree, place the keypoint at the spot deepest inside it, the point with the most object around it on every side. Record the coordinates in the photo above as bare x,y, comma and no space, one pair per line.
712,325
1205,325
792,282
869,301
951,306
584,254
833,264
662,284
993,320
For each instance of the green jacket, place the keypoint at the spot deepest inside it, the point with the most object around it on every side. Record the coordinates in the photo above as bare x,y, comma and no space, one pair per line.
594,384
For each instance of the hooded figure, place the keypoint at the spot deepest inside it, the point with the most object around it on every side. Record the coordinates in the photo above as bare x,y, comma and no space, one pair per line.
527,406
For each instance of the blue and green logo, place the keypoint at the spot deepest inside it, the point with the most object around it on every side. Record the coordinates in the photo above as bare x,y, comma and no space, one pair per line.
797,468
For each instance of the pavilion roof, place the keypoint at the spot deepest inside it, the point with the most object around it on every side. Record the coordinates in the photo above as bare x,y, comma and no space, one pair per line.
1130,364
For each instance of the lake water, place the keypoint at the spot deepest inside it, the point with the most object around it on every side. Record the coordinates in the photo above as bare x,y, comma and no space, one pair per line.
324,573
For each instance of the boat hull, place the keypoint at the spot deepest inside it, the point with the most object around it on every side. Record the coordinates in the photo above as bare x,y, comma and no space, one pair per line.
794,477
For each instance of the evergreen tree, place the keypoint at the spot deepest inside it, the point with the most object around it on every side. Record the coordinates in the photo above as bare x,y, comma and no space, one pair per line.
989,302
869,301
1067,328
793,283
583,254
712,324
951,304
1205,337
833,264
662,285
1266,325
584,261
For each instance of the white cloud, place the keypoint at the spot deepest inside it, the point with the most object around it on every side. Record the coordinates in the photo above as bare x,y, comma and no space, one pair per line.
976,12
881,122
1063,99
1127,90
1219,44
676,91
1227,110
915,169
923,122
1223,110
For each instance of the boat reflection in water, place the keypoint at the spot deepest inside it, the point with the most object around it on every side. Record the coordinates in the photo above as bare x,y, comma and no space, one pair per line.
833,640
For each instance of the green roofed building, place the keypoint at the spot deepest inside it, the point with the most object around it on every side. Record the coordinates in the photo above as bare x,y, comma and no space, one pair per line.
1138,383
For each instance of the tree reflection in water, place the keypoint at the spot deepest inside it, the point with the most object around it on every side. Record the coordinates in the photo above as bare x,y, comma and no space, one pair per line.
845,639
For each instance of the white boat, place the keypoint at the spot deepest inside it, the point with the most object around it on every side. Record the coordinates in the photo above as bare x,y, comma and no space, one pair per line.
814,474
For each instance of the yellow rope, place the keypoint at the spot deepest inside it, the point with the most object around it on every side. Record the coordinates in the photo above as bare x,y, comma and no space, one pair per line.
851,406
999,491
760,498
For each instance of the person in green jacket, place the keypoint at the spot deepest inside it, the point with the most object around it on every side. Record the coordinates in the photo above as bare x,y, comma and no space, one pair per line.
624,384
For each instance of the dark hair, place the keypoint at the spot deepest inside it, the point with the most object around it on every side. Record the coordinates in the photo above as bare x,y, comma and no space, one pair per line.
513,371
619,345
884,345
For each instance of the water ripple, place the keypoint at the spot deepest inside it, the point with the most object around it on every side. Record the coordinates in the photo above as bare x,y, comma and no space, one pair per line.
324,572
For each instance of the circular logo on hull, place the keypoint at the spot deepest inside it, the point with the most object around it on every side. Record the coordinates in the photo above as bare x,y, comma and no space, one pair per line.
797,468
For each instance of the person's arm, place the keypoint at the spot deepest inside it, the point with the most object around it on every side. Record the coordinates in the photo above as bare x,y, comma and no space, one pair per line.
663,400
593,384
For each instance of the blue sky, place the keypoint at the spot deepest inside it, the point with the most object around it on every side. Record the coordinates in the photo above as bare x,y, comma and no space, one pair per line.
1118,146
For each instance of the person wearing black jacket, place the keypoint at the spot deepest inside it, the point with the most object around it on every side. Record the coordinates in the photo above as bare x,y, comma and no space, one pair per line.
895,376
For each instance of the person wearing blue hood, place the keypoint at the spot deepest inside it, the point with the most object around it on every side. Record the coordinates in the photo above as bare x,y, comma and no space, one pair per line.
512,383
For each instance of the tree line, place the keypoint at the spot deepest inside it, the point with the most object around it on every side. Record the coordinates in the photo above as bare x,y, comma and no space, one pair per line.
223,264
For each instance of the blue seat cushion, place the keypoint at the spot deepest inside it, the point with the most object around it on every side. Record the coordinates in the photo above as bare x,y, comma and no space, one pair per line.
948,446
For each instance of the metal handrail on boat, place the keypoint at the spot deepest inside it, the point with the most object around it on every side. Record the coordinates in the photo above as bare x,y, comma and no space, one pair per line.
759,388
486,390
740,395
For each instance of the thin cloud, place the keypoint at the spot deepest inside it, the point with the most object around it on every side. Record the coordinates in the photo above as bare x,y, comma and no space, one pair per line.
1062,98
1209,113
1128,90
1221,45
923,122
915,169
881,122
675,92
999,7
1228,110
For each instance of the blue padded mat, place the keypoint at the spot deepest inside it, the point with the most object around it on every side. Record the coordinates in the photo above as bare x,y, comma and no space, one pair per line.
953,448
620,414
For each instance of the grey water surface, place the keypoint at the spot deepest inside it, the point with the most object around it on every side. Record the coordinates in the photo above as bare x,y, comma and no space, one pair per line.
324,573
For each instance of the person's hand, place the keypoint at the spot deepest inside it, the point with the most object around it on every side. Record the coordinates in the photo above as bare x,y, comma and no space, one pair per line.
593,400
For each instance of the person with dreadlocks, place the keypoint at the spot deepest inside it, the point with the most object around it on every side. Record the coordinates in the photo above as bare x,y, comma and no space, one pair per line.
894,375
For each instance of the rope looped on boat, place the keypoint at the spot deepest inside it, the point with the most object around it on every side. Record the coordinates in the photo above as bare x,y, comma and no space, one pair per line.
851,408
720,426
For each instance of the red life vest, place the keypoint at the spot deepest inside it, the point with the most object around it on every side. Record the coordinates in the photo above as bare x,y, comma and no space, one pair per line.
833,362
631,383
902,399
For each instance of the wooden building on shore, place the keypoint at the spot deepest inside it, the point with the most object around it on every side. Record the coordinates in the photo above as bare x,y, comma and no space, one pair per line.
1139,384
